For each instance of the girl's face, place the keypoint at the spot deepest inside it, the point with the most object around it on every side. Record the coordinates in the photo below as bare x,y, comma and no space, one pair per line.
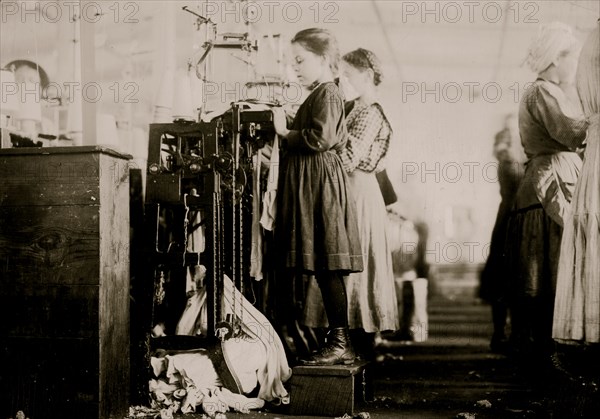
359,80
308,66
566,66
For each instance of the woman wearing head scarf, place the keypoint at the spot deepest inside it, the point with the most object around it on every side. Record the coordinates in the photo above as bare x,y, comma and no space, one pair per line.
552,131
577,305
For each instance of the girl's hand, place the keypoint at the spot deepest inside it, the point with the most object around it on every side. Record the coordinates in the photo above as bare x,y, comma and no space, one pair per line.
279,122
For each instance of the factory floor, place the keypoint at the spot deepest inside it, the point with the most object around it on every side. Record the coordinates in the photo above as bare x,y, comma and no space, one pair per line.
453,374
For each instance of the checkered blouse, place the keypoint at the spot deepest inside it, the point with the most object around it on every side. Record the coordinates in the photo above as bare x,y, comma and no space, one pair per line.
368,140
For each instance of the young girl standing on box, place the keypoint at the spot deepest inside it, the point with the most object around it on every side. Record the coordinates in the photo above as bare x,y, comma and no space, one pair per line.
316,226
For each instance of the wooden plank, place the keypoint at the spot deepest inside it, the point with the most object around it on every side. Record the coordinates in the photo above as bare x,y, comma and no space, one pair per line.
53,179
49,180
57,311
70,150
49,245
49,193
49,167
330,370
80,221
114,287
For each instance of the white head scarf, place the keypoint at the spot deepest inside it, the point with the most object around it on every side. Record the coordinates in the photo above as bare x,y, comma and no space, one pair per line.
550,42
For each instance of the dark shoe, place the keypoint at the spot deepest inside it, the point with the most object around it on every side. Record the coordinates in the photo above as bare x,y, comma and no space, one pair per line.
337,350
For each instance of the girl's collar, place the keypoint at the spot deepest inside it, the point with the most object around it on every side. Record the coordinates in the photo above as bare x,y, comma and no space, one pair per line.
364,103
548,80
314,85
317,83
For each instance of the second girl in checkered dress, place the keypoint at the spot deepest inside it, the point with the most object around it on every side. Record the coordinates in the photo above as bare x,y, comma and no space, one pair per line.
372,304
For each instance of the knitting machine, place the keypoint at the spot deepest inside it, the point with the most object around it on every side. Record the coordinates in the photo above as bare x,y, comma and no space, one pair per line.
197,179
198,203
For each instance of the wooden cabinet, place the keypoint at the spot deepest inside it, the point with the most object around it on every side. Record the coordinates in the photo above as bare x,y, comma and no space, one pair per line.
64,283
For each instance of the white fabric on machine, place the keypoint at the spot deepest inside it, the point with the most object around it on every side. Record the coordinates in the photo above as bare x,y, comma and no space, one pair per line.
257,354
256,252
269,211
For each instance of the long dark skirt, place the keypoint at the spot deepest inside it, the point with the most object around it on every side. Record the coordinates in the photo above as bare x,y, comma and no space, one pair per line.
316,226
532,248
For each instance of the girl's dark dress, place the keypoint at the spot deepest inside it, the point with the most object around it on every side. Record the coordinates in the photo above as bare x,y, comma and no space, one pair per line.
316,226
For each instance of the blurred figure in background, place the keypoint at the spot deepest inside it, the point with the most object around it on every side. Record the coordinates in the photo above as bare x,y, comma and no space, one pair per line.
408,242
552,130
32,84
495,275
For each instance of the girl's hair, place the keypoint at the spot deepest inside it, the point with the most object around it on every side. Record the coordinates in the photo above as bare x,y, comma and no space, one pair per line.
364,59
320,42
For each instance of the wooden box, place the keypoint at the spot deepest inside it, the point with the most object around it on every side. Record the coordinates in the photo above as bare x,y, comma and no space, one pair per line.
64,283
327,391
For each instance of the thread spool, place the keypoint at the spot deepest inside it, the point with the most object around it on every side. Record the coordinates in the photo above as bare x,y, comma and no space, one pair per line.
182,101
163,104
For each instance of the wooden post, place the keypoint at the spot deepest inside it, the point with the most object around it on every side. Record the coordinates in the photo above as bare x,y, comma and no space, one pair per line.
88,78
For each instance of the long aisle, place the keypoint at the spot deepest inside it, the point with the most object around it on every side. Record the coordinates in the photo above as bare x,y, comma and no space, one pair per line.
453,373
